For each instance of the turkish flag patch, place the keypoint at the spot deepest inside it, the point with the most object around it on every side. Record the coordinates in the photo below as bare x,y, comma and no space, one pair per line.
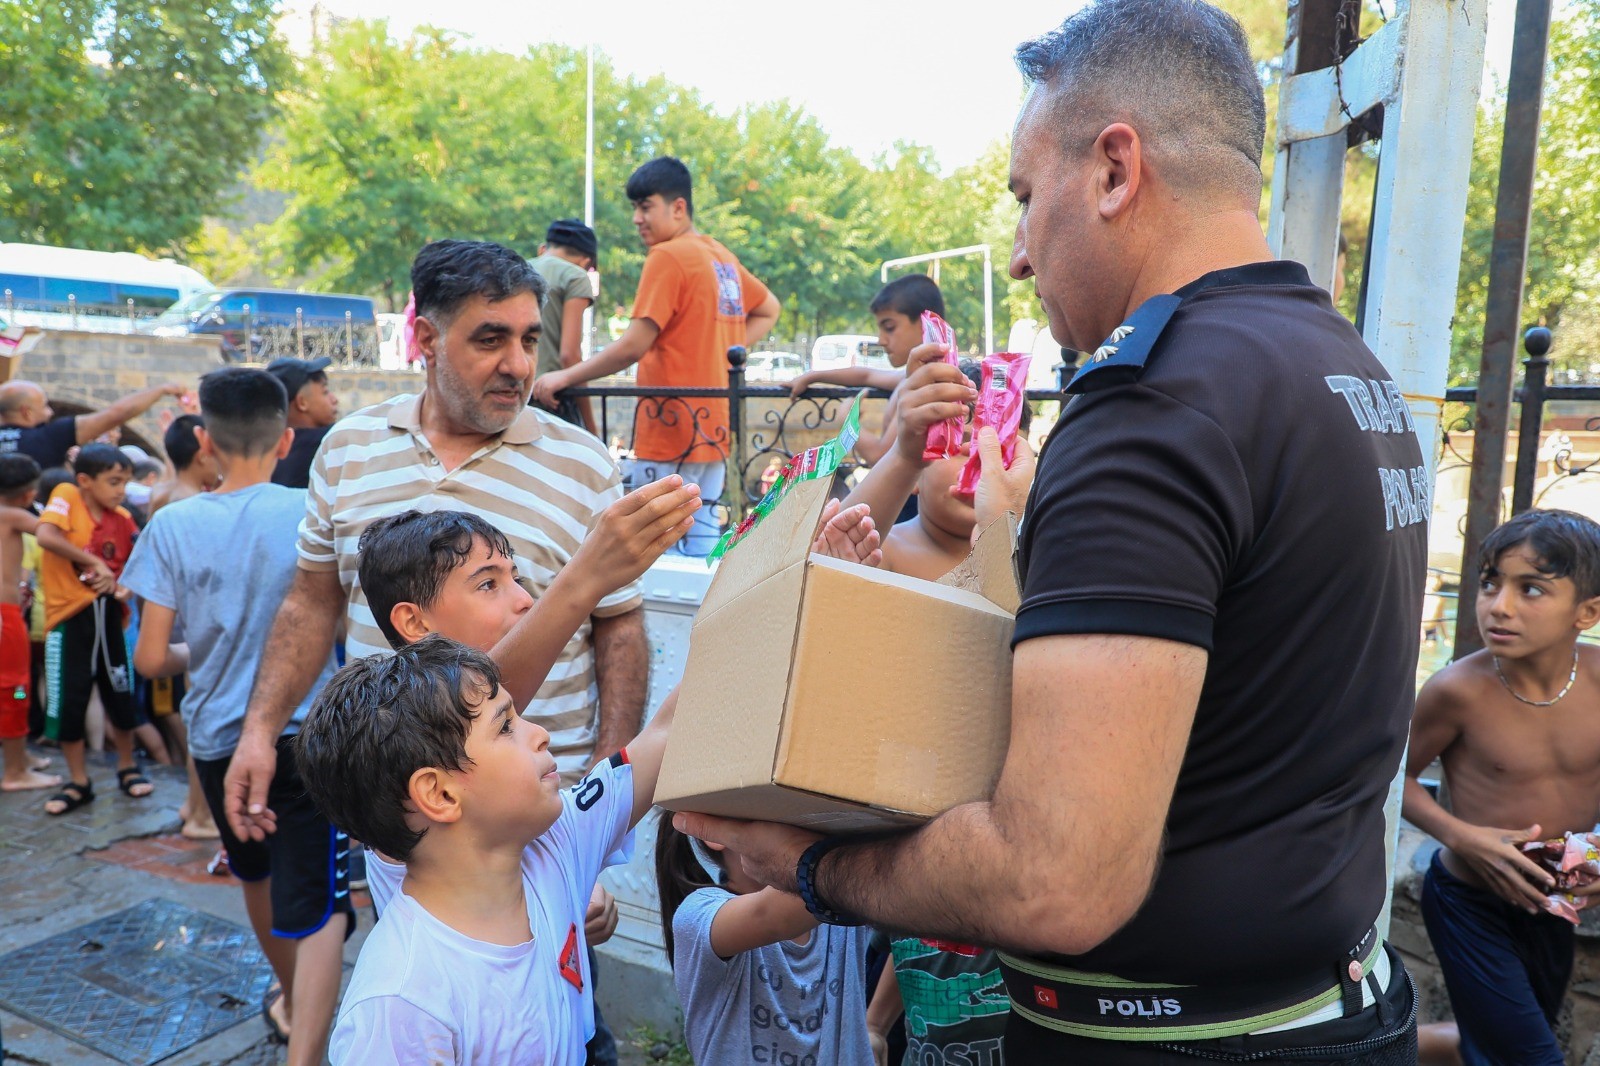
1045,997
569,960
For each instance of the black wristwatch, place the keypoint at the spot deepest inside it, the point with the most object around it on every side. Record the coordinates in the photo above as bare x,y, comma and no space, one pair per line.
805,873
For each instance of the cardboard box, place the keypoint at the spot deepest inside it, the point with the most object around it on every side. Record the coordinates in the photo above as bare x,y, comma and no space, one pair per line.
840,697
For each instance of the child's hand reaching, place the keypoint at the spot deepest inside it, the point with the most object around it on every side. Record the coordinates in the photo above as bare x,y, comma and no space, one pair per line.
848,534
633,533
934,391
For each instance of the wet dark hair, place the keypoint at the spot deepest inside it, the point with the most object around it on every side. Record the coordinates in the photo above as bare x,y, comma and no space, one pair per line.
245,410
380,720
95,459
446,274
18,473
405,558
910,296
679,874
180,441
1564,544
973,368
665,176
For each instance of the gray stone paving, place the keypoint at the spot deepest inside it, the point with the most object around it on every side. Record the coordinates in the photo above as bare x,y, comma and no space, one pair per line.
48,885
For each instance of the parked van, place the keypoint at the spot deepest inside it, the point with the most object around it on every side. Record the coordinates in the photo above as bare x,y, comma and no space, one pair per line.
278,322
73,288
839,350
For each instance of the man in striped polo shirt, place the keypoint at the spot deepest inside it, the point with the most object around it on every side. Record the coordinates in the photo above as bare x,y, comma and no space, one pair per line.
469,441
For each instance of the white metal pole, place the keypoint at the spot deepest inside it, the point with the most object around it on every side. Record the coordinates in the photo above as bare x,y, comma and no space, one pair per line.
988,303
588,145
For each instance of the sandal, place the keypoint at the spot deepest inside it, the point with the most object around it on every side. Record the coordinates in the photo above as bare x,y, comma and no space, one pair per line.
270,997
130,778
72,796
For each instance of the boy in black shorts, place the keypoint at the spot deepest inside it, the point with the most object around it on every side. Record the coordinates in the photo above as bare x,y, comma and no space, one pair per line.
219,564
86,535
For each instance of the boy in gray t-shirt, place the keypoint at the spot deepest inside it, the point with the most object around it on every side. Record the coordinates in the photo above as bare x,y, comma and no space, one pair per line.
569,252
219,565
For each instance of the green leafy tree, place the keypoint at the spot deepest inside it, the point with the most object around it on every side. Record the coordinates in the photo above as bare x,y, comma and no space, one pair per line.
123,122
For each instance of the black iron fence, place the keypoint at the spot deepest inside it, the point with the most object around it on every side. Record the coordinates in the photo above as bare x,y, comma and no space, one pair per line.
764,423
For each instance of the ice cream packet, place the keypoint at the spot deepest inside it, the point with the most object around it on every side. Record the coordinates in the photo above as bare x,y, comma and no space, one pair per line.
1001,395
1575,862
944,439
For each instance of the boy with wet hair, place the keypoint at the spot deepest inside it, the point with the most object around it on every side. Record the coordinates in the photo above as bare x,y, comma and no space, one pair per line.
218,565
19,484
87,535
1516,728
479,956
194,472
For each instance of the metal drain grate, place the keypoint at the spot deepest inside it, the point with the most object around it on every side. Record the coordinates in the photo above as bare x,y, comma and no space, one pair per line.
141,984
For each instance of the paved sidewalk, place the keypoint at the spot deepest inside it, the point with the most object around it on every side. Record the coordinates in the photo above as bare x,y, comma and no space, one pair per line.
62,872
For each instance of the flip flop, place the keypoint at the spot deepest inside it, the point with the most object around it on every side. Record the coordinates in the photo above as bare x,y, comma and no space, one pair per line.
130,778
268,998
73,795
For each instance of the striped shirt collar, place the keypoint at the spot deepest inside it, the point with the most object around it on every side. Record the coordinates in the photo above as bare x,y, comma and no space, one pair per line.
407,415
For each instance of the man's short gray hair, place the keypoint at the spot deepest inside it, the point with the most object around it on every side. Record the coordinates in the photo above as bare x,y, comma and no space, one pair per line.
1178,71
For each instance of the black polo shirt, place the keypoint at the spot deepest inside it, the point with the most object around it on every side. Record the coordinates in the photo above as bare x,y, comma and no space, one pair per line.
48,442
1240,473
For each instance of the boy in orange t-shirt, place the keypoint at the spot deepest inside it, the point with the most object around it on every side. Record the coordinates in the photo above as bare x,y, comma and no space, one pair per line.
695,301
87,537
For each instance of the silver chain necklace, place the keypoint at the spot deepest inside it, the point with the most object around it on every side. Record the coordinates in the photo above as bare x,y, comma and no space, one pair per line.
1571,680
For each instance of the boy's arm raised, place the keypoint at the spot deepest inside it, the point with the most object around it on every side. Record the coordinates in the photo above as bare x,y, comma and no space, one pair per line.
933,391
1494,854
631,534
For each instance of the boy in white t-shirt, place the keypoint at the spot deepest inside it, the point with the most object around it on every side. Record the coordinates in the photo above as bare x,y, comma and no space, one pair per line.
480,957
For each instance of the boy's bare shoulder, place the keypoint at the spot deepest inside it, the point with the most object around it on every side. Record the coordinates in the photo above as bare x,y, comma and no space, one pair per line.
1589,660
1458,687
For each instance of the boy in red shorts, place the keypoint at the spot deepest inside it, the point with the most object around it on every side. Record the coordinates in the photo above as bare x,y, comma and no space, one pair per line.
19,484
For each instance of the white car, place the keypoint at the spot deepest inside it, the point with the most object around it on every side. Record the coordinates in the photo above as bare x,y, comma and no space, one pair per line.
838,350
772,368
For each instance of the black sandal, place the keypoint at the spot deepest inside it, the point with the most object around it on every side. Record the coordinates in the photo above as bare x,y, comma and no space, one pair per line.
270,997
73,795
130,778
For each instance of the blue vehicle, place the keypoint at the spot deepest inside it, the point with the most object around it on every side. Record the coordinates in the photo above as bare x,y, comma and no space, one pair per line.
266,323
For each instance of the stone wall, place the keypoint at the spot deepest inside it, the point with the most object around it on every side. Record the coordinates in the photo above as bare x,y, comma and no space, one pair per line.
82,371
1579,1026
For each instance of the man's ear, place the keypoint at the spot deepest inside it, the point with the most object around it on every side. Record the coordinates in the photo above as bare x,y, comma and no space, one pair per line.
408,621
427,335
285,442
1119,169
435,795
1588,613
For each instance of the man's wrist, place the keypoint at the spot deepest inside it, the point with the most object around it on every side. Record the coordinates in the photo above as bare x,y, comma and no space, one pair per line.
806,872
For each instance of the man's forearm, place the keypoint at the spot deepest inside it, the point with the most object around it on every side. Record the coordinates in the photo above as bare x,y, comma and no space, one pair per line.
756,327
622,672
973,898
126,409
298,646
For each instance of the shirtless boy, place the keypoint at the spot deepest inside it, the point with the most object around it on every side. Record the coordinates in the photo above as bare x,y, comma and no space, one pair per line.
19,484
1517,726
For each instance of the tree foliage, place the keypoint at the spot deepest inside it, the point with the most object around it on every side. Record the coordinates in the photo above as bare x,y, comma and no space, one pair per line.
398,142
122,122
